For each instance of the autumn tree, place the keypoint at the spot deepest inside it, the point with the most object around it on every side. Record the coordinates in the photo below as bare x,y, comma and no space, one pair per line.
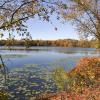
85,14
13,13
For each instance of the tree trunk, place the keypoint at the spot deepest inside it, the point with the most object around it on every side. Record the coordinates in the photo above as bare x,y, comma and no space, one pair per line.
5,71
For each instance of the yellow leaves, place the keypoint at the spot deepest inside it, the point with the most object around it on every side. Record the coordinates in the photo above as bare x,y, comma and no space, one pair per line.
86,72
1,17
91,74
3,96
60,73
1,66
70,16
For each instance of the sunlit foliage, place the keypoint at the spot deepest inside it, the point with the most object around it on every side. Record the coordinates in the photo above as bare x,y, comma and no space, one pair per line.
82,81
61,78
3,96
85,14
60,42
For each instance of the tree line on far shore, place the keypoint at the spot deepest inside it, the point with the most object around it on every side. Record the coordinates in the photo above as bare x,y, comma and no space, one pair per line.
60,42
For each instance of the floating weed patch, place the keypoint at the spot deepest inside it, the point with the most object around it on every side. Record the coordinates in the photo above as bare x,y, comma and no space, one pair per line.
29,81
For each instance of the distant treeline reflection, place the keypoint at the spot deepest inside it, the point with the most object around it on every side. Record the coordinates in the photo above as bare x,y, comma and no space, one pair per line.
60,42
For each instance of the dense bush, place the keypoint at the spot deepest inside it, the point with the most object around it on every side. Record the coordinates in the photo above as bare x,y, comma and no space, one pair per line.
85,74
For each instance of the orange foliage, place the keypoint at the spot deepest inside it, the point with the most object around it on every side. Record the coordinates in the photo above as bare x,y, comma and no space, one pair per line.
88,67
85,77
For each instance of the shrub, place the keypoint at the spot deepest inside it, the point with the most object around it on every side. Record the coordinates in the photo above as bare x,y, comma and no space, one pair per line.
61,79
82,82
84,75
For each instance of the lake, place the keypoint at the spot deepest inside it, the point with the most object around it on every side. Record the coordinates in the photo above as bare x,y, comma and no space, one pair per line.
49,57
30,70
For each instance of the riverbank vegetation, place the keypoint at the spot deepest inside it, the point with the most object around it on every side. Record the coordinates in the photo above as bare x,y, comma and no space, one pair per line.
61,42
81,83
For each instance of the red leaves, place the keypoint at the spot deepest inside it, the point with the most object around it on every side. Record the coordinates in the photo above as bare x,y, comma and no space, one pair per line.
87,66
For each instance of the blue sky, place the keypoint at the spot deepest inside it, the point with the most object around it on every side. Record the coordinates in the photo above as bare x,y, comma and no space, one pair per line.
46,31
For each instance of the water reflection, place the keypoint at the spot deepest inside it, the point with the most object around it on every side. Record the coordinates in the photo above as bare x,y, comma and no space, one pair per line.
61,56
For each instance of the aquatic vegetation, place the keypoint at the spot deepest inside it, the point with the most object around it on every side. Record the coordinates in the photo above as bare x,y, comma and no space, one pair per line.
28,81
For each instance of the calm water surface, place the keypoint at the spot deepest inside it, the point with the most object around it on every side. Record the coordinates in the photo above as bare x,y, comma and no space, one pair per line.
47,57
